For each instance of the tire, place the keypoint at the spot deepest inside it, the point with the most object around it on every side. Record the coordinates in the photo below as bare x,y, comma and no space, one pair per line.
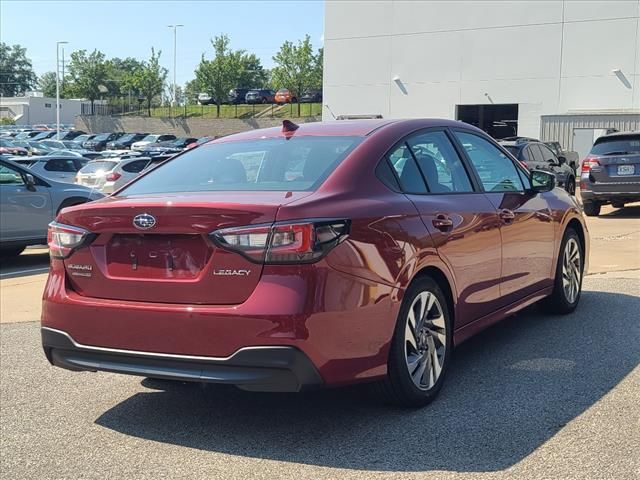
10,252
570,186
264,100
567,284
591,208
404,385
617,205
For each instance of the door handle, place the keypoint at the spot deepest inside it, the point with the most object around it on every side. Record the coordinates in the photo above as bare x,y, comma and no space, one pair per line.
507,215
442,222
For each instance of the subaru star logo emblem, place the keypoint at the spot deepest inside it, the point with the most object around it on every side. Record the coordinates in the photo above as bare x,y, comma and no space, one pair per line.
144,221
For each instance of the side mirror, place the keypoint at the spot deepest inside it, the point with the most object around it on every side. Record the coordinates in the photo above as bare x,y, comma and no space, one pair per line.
30,181
542,181
562,159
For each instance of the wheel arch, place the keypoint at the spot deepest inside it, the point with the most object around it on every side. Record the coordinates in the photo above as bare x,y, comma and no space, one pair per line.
443,281
71,201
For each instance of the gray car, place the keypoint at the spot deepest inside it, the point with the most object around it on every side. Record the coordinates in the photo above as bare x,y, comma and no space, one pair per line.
29,202
611,172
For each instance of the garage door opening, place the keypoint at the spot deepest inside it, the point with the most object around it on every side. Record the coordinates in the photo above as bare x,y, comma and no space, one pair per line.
499,121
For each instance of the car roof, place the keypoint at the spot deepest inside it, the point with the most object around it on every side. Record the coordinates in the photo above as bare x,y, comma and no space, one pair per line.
336,128
617,135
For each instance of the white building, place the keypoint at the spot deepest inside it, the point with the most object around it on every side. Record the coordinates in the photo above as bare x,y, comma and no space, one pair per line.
34,110
501,65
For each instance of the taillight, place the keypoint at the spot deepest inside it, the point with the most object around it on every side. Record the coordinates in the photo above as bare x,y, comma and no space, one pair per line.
588,163
113,176
64,239
289,242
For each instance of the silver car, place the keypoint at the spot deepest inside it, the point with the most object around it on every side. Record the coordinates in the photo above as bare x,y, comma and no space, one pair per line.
109,175
60,167
29,202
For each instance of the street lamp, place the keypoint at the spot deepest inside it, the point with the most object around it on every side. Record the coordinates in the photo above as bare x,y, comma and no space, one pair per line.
58,88
175,35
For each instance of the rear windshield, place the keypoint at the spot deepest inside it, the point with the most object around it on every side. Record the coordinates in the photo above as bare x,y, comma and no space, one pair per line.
512,149
617,145
275,164
94,167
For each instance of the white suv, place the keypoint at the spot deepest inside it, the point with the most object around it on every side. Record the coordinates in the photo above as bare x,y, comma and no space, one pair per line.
109,175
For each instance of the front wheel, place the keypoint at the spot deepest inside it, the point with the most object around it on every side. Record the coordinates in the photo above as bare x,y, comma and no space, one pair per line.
567,285
10,252
570,187
421,346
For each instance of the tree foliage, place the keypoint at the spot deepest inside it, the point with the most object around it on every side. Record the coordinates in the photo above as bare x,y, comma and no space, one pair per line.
16,72
47,84
297,68
89,74
149,81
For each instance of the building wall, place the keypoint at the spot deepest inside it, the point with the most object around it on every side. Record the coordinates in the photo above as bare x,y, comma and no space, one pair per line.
550,57
40,110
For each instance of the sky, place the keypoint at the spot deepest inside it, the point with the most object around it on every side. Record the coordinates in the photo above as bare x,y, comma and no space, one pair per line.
122,28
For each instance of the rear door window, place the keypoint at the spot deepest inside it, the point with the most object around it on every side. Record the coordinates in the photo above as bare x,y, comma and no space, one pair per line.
407,170
495,170
61,165
135,167
440,164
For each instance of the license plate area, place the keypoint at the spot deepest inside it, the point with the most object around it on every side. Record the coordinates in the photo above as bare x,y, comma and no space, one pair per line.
626,170
149,256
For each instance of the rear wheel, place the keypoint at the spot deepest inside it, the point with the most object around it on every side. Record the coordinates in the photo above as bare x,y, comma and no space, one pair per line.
591,208
567,285
421,346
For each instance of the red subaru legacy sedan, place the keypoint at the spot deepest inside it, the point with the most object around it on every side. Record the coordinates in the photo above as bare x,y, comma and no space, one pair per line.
316,255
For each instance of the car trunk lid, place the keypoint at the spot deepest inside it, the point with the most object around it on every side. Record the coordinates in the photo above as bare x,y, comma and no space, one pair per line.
172,260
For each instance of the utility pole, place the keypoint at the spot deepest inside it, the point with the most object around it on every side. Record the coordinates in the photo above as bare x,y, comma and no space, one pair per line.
58,88
175,54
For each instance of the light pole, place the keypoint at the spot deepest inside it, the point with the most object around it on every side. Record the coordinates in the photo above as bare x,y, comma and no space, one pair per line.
58,88
175,43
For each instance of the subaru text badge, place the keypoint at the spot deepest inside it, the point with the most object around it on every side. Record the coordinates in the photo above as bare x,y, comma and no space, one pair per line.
144,221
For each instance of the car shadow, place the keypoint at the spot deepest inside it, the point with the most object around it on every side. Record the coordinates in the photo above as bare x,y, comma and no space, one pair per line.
509,390
32,261
632,211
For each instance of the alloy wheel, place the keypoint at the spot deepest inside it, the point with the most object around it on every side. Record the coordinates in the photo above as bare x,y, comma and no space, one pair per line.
425,340
571,270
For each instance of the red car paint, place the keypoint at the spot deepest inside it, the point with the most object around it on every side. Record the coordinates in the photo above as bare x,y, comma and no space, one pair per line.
339,311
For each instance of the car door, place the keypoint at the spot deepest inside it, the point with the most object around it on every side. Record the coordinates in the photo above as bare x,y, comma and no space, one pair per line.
25,211
526,222
461,221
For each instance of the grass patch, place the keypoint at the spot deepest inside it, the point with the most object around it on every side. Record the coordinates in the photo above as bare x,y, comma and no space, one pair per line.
238,111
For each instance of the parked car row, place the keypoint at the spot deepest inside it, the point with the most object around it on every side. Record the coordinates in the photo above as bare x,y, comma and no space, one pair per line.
263,95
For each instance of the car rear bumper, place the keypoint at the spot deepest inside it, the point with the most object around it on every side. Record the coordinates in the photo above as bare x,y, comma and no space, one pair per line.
343,324
269,368
612,191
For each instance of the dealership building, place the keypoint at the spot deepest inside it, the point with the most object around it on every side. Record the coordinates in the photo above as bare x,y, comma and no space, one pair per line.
561,70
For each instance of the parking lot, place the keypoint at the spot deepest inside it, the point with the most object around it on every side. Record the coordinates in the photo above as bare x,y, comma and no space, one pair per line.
536,397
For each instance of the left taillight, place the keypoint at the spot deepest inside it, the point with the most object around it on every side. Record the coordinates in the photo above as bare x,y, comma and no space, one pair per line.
64,239
284,242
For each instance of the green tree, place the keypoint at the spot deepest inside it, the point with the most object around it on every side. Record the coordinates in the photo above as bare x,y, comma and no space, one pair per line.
216,77
297,67
191,91
150,80
122,74
47,84
89,75
16,72
251,73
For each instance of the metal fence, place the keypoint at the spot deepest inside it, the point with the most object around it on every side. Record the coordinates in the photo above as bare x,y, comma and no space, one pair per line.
208,111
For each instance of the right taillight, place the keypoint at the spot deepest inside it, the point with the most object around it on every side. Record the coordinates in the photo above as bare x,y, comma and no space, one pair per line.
113,176
305,241
588,163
